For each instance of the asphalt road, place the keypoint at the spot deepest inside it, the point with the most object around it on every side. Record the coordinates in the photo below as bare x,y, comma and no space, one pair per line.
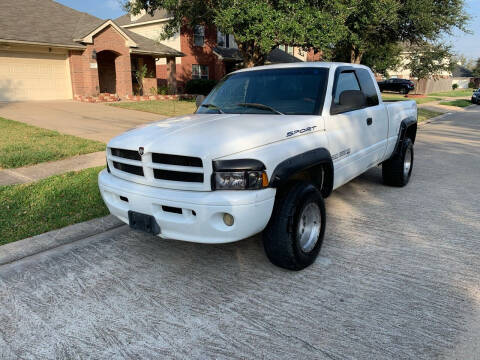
398,278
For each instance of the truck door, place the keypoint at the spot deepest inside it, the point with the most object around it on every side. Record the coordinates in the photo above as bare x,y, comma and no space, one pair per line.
348,129
376,118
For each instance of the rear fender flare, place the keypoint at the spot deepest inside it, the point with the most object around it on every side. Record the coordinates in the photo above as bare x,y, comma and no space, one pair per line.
408,125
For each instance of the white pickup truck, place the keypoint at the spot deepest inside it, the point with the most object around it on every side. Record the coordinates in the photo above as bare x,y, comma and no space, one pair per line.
263,150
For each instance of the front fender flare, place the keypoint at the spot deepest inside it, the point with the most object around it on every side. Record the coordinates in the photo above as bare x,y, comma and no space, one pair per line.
298,163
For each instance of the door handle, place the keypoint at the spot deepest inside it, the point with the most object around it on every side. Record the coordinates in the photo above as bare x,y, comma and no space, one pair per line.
369,121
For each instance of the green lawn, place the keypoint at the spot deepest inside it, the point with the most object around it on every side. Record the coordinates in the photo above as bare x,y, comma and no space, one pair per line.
455,93
162,107
49,204
22,144
459,103
419,100
424,114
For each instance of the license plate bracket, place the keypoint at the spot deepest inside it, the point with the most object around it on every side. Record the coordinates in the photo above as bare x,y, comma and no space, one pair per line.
143,222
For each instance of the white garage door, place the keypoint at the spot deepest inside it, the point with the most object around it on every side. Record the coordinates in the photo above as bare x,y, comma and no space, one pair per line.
29,76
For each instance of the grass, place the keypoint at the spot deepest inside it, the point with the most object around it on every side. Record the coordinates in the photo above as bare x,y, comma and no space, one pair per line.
455,93
459,103
424,114
161,107
49,204
22,145
418,100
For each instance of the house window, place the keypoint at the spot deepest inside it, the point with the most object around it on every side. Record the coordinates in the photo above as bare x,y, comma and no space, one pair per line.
199,35
286,48
199,71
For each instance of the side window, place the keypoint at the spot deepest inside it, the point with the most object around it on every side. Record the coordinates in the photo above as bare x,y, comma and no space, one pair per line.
199,71
368,87
199,35
346,81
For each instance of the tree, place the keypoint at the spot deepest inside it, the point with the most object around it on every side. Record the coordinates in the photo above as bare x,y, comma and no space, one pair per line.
476,69
373,23
383,58
140,75
429,60
258,26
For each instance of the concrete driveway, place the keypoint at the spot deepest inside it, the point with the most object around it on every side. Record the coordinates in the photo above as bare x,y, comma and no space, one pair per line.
398,278
92,121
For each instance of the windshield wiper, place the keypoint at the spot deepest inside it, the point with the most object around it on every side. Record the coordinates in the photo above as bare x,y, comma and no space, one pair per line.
212,106
260,106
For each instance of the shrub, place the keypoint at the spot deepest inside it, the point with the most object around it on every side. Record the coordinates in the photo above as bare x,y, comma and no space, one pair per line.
455,86
153,90
471,85
162,90
199,86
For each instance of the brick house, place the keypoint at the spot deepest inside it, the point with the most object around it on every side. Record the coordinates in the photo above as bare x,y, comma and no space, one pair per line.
209,54
50,51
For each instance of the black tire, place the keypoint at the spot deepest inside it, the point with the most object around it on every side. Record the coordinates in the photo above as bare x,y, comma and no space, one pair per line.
404,91
393,170
280,239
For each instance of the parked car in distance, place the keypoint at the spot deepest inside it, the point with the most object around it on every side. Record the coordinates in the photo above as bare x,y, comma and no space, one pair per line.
403,86
263,150
476,97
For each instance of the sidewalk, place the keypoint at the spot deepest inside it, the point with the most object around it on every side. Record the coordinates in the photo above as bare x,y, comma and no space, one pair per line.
36,172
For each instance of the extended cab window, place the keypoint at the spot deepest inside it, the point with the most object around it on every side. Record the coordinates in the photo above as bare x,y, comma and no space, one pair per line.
368,87
346,81
294,91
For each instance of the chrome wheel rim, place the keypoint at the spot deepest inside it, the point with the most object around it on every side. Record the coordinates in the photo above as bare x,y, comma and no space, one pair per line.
407,163
309,225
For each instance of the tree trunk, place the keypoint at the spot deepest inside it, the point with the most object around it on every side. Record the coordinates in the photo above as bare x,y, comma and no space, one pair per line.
251,54
355,55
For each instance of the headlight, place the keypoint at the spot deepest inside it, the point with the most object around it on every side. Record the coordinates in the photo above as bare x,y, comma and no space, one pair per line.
245,174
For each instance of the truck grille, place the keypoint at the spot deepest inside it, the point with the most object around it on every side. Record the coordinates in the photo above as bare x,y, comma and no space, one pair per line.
157,168
126,154
177,160
131,169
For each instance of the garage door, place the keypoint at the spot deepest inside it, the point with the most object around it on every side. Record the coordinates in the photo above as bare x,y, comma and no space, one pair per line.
29,76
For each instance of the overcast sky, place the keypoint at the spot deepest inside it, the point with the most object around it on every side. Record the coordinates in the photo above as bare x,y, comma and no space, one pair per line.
468,45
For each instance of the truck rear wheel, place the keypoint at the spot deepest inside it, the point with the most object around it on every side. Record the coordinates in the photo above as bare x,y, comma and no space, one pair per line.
295,233
397,170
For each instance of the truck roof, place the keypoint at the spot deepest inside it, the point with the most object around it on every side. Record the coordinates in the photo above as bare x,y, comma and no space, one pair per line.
303,65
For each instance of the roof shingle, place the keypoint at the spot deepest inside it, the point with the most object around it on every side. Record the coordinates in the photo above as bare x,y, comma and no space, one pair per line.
48,22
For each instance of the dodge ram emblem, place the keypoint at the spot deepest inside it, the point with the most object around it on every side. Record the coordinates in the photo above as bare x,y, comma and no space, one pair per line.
141,151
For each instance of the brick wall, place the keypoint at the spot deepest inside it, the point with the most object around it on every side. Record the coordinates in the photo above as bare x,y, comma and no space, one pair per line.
202,55
85,80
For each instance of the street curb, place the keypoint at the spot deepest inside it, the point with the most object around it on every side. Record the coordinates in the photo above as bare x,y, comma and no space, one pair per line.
439,117
24,248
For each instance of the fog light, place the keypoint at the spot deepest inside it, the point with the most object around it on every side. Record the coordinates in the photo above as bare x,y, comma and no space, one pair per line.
228,219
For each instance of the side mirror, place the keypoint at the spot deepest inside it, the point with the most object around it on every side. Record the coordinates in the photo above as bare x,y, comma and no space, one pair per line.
352,99
199,100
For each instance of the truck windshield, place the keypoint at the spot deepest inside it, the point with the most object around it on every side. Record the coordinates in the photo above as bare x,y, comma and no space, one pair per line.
294,91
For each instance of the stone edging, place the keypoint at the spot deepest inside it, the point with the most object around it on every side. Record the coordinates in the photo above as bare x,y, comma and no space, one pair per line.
24,248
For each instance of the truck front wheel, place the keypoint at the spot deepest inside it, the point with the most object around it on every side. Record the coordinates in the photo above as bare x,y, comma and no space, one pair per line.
294,235
397,170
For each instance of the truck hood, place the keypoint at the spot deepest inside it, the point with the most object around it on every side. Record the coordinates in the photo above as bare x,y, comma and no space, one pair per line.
211,136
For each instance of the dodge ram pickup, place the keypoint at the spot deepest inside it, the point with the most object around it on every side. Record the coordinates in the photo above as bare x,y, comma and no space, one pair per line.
261,153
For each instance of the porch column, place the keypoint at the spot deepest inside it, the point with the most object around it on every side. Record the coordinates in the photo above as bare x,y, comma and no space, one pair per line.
171,75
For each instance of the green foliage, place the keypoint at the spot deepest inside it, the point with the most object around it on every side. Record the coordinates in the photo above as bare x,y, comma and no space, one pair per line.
153,90
429,60
258,26
455,86
140,74
162,90
199,86
471,85
476,69
374,24
383,58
